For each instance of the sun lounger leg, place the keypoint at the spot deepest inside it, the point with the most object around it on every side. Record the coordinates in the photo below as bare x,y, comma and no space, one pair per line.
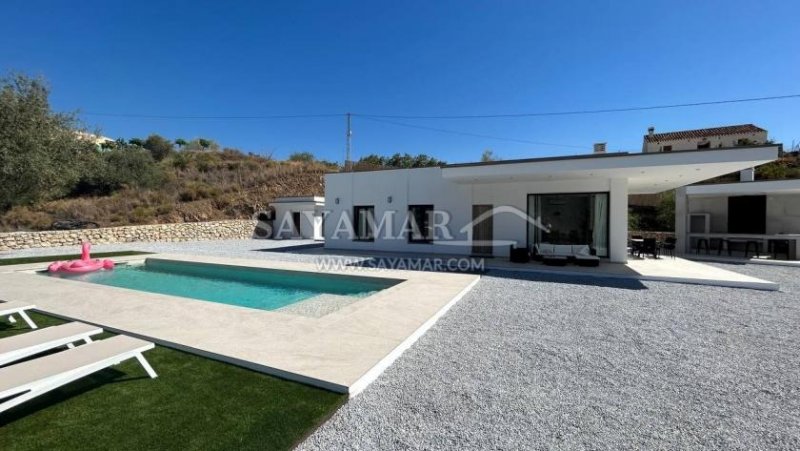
28,320
86,340
146,366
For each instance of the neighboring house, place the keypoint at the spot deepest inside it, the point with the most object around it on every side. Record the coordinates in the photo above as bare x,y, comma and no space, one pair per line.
298,217
731,214
704,138
97,140
575,200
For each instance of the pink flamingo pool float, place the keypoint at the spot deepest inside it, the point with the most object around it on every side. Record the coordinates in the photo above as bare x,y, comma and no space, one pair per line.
85,264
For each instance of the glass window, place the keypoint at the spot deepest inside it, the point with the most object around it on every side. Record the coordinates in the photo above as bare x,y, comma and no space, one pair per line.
364,217
570,218
420,224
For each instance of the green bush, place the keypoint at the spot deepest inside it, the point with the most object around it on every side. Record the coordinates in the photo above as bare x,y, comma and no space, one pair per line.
40,150
158,146
118,168
304,157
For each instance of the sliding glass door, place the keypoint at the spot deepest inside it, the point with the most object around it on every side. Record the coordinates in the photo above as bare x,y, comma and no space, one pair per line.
570,218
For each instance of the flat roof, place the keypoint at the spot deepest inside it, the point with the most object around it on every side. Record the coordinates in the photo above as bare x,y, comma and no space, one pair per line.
646,173
597,156
297,199
588,156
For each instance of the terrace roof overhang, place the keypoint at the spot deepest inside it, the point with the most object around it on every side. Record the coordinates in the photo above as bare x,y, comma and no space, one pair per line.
646,173
763,187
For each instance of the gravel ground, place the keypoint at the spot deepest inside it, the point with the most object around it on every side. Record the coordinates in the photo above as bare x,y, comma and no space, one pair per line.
527,362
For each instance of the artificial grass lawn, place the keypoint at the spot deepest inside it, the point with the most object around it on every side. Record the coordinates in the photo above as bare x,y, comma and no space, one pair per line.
195,403
51,258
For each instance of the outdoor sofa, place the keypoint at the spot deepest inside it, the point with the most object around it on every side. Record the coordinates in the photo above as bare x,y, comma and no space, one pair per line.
561,254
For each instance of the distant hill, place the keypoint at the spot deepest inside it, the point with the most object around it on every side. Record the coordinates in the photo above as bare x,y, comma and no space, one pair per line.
196,186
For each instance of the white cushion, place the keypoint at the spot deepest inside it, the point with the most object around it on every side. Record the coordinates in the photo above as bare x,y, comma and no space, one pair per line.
586,257
562,249
581,250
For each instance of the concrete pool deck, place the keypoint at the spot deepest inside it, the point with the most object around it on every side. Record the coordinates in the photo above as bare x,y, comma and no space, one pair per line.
342,351
663,269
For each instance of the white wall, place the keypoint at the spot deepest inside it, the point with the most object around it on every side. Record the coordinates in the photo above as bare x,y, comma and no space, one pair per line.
783,213
717,207
714,141
426,186
310,220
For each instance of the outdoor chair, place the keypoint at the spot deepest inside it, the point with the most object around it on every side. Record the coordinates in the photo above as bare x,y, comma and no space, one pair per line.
18,347
519,255
747,244
669,246
701,243
636,245
17,308
756,248
649,247
777,247
26,380
715,244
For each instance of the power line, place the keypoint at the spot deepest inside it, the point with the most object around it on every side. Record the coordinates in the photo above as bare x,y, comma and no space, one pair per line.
580,112
457,132
164,116
467,116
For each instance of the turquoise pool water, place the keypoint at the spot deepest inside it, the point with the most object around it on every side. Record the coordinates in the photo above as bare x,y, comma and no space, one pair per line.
264,289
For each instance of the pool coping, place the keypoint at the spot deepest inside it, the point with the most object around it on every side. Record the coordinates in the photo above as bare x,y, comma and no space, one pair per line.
342,351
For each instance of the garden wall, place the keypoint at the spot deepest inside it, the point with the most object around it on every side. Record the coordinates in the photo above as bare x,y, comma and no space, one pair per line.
647,234
187,231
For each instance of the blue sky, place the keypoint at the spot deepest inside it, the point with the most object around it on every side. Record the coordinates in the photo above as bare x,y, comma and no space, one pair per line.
196,58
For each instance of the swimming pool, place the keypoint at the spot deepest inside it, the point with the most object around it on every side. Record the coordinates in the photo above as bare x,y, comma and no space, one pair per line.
258,288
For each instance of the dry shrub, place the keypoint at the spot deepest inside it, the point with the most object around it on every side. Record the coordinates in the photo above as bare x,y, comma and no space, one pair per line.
197,186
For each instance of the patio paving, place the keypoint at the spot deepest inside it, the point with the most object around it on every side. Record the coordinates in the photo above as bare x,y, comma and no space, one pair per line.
664,269
343,350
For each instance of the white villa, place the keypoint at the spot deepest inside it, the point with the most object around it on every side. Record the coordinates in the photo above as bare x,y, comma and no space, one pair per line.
578,200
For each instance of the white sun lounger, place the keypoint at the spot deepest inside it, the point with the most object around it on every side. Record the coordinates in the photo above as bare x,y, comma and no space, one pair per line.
29,379
20,346
17,308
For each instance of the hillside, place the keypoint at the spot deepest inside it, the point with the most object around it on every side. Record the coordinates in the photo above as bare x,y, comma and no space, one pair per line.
194,186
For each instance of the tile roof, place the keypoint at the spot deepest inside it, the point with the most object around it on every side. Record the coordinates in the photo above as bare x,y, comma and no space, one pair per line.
703,132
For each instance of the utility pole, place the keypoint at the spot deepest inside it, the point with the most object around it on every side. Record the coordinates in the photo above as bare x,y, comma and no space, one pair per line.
348,163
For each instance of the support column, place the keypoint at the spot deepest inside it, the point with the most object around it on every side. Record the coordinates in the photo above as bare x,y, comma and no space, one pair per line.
618,221
681,210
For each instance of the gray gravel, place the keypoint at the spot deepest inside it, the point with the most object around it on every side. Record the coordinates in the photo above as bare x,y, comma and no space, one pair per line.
527,362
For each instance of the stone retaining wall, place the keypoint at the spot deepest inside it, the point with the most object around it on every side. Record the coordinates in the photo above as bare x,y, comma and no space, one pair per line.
188,231
657,235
